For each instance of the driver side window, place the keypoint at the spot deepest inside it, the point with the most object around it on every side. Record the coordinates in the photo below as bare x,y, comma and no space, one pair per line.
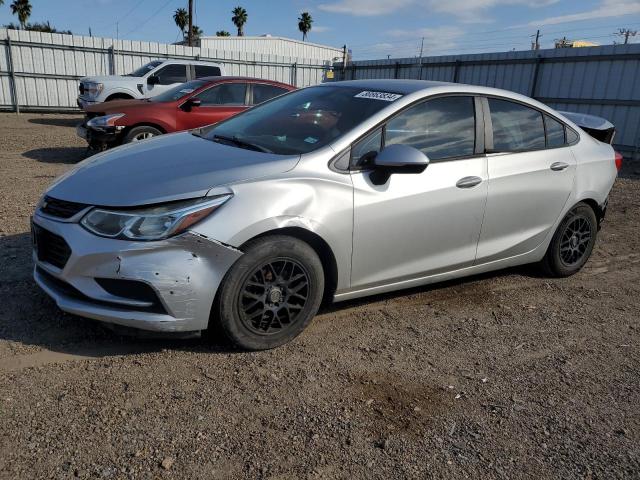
365,150
171,74
224,94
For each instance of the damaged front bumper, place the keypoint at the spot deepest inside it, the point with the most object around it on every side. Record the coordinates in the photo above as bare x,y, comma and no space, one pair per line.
164,286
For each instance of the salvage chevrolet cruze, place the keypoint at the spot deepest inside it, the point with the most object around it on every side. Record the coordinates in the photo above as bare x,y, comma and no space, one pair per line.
331,192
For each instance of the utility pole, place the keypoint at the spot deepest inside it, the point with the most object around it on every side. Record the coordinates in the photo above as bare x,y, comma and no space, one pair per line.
626,33
190,36
344,59
536,44
421,50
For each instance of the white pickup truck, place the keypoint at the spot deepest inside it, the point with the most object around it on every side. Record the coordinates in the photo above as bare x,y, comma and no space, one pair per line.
147,81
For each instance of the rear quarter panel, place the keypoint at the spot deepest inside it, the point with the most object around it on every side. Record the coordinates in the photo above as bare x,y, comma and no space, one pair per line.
596,171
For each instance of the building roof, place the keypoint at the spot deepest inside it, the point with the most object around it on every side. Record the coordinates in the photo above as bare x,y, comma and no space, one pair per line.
269,37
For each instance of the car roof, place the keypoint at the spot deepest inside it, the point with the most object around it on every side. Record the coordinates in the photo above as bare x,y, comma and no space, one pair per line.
404,87
186,62
219,78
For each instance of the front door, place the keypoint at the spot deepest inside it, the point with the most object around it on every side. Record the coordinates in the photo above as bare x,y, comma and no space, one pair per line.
420,224
530,179
217,103
168,77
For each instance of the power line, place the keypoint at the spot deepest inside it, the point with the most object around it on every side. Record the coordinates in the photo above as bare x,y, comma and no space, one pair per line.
151,17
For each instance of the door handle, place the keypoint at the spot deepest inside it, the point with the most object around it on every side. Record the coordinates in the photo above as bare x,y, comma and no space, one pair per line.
468,182
559,166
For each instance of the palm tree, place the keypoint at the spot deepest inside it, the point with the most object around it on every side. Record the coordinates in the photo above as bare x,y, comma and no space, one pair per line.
181,17
222,33
304,24
239,19
22,8
196,32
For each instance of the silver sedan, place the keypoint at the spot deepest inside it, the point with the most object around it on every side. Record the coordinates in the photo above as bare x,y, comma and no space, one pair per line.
332,192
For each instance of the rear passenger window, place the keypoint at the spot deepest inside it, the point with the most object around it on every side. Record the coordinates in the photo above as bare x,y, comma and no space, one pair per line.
207,71
555,132
262,92
572,136
171,74
441,128
515,127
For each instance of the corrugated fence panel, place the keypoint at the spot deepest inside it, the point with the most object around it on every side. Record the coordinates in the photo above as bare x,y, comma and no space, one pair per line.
603,81
47,66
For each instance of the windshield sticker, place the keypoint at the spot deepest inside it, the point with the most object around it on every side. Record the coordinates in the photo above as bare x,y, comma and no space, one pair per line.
187,90
385,96
311,140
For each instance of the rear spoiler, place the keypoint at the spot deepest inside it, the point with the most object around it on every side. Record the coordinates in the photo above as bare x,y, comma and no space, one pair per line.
597,127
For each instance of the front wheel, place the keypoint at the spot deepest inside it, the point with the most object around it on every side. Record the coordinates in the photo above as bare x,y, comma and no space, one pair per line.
270,294
143,132
572,243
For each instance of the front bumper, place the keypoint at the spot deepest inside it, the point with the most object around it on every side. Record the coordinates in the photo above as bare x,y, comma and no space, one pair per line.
83,103
100,138
184,272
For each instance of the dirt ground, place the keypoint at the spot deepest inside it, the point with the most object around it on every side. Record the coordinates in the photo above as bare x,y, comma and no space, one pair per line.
508,375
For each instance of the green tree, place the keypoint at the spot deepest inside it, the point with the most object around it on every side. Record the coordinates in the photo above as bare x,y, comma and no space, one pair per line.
222,33
181,17
197,32
304,24
21,8
239,19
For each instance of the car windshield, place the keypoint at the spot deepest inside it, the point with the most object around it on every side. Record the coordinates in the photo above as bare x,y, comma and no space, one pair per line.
143,70
178,91
301,121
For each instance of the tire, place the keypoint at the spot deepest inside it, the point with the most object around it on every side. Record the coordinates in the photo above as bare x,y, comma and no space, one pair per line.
143,132
572,243
270,294
118,97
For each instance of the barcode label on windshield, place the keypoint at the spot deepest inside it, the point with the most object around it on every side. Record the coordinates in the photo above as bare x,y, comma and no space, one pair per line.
385,96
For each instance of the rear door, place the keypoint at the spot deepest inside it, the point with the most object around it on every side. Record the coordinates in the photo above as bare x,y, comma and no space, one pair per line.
531,174
203,71
261,92
217,103
421,224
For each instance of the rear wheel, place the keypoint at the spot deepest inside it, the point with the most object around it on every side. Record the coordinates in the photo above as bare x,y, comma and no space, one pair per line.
270,294
572,243
143,132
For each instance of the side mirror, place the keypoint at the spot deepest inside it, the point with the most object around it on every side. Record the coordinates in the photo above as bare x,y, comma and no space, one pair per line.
153,80
397,158
190,103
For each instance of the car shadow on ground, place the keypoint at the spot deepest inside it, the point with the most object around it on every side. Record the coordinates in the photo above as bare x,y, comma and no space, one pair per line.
71,121
30,318
68,155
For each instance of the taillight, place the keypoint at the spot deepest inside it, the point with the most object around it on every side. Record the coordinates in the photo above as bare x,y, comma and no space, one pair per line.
618,160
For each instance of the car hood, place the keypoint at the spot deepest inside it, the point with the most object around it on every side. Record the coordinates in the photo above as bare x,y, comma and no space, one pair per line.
120,105
110,78
167,168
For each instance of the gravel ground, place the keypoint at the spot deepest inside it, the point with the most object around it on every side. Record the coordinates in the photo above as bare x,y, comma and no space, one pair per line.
507,375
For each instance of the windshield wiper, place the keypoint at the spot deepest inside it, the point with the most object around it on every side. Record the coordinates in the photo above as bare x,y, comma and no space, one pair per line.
242,143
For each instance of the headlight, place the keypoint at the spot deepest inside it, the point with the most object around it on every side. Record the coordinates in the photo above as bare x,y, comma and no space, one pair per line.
152,223
105,121
94,89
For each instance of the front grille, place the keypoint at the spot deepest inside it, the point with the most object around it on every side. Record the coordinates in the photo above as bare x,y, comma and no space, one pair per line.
61,208
50,248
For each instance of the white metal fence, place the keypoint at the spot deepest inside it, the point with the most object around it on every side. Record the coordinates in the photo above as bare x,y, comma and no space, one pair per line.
40,71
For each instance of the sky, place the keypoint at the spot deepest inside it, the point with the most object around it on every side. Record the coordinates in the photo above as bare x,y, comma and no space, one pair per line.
370,28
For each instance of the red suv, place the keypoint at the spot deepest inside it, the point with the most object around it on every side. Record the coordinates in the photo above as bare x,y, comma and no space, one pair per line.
190,105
